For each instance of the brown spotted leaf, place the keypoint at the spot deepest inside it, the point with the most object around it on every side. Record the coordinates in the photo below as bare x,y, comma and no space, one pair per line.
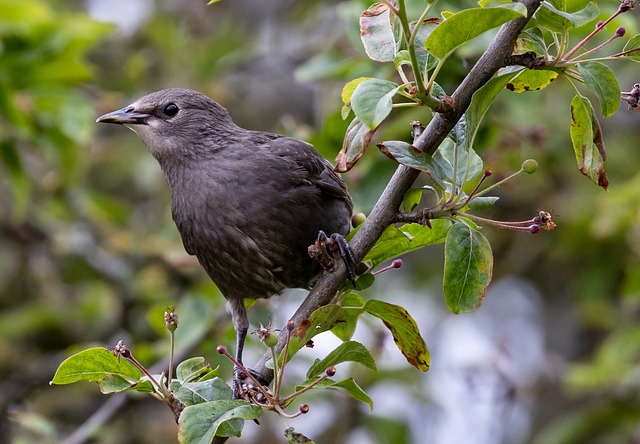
404,330
532,80
588,145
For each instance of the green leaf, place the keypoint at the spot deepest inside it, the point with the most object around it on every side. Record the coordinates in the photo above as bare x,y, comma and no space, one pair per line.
412,199
97,365
397,241
481,101
201,422
294,437
356,141
349,88
351,387
468,24
556,20
347,351
402,58
600,79
633,42
192,393
117,384
187,368
532,80
426,61
377,33
559,4
352,305
405,332
482,202
466,164
323,319
468,266
407,155
586,138
363,282
532,39
371,101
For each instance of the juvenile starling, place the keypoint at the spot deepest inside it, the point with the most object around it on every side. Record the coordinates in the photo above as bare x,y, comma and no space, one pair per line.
247,203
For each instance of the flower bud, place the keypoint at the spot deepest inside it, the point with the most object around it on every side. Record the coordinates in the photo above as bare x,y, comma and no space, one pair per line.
330,371
304,408
121,350
529,166
626,5
620,31
171,320
221,349
534,229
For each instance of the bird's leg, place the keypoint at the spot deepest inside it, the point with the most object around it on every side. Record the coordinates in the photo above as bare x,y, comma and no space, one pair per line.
241,326
326,249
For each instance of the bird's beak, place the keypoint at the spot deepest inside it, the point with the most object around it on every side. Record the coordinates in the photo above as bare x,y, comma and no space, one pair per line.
124,116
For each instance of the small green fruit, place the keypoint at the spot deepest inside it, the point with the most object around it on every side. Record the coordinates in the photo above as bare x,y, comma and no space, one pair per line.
271,340
529,166
358,219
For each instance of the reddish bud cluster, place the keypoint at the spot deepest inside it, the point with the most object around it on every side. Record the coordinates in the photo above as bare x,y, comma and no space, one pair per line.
626,5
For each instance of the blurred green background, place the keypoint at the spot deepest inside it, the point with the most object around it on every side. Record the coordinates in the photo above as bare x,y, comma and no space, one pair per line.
89,254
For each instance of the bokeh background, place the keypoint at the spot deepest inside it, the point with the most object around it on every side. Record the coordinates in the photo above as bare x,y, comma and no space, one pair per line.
89,254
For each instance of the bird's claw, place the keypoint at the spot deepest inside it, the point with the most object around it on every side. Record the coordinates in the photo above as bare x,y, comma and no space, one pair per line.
326,249
244,387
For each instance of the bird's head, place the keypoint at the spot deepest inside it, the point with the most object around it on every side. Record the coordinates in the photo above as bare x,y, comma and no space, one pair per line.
175,123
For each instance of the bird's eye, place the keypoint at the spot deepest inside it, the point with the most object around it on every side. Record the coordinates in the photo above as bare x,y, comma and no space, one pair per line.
171,109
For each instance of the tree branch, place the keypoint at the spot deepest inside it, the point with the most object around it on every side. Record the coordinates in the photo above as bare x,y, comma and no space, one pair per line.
495,57
381,216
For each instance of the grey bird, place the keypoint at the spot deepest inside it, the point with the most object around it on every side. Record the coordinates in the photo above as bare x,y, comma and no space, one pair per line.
247,203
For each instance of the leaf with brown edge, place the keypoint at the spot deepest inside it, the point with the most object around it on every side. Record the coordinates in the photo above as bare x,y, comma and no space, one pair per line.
404,330
321,320
356,141
588,145
377,34
301,330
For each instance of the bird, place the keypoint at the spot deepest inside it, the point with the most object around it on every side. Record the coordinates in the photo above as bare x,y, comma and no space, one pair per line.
251,206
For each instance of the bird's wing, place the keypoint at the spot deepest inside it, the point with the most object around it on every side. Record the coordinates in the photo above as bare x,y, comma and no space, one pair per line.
318,171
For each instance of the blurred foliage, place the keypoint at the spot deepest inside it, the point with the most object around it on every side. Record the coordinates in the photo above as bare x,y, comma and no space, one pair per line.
89,253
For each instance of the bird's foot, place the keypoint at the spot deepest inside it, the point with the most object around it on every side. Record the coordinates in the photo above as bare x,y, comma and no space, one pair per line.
245,388
326,249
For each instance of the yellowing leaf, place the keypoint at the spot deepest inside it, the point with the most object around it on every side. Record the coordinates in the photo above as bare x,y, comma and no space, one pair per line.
404,330
532,80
